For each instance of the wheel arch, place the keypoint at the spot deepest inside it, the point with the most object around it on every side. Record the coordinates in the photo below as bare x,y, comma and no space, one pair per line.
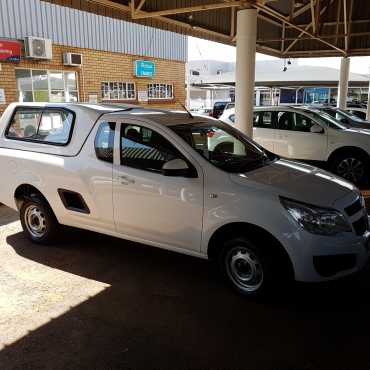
348,149
254,233
25,191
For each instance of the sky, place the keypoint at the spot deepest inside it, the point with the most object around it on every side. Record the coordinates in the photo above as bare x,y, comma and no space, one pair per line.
202,49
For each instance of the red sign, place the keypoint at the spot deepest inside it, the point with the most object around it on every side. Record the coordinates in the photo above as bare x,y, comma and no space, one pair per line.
10,51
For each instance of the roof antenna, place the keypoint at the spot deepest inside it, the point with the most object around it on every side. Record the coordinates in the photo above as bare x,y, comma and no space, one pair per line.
185,109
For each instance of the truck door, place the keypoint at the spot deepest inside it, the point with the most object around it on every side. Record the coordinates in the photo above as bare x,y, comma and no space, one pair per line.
148,206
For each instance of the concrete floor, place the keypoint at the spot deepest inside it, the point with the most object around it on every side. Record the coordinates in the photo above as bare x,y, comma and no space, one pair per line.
94,302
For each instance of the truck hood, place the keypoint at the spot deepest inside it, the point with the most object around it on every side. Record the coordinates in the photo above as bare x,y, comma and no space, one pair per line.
298,181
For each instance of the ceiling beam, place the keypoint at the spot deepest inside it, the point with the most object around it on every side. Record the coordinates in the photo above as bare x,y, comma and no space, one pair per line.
173,22
313,18
142,2
322,11
190,9
277,15
345,24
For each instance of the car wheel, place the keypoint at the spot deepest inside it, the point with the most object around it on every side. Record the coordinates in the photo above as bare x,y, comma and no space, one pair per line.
38,221
351,166
249,269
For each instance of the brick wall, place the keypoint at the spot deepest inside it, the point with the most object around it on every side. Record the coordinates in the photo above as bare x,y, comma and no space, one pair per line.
101,66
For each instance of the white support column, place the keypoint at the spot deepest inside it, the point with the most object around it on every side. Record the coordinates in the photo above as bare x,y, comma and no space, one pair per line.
246,35
343,83
368,100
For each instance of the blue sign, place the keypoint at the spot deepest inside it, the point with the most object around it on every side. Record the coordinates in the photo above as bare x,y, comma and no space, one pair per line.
144,68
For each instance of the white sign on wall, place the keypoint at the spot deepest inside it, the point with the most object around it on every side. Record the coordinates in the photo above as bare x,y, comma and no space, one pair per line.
93,99
2,96
142,96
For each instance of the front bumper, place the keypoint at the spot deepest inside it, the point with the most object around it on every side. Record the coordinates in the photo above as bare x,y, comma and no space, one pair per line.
329,258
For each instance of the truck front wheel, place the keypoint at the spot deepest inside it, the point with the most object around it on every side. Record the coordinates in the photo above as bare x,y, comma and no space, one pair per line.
38,221
250,270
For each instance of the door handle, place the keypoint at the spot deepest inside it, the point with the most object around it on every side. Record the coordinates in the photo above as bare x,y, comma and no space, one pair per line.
125,180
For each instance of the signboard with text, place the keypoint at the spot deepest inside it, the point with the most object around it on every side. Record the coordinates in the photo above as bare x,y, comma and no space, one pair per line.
10,51
145,68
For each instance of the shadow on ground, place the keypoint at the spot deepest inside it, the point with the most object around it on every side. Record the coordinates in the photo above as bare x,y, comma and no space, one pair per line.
170,311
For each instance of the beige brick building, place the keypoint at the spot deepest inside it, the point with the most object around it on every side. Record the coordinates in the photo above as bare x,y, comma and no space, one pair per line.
109,50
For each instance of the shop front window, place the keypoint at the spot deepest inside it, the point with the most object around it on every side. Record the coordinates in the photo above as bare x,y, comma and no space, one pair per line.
316,95
160,91
118,91
46,86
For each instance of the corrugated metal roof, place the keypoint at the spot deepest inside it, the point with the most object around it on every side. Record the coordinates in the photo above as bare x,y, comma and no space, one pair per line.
79,28
330,22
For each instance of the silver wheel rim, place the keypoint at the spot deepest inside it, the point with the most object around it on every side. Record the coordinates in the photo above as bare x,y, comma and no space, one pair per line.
351,169
244,269
35,221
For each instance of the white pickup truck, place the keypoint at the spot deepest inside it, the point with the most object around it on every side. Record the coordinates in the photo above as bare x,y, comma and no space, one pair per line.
158,178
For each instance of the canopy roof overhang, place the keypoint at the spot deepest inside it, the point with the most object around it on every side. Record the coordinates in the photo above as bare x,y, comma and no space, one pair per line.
286,28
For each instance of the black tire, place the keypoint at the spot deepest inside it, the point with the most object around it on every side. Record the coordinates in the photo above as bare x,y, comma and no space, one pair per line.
351,166
236,259
38,221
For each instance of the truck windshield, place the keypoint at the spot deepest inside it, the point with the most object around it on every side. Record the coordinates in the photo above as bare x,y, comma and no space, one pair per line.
223,146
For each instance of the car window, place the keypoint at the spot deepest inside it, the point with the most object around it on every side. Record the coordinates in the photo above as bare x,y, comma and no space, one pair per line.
223,146
45,125
264,119
303,123
24,124
359,114
145,149
285,121
104,141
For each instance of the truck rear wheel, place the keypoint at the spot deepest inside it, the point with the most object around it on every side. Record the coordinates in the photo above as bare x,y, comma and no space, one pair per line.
38,221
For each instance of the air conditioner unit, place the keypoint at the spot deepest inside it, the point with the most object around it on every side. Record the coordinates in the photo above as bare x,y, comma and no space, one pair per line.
38,48
72,59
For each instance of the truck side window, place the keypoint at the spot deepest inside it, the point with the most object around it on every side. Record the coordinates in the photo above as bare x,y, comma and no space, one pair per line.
104,141
50,126
24,124
145,149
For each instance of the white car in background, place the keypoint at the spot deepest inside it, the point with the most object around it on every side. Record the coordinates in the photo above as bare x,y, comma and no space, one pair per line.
228,116
166,179
313,136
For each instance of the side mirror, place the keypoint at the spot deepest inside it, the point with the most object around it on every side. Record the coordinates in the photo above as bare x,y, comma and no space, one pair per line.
316,129
176,167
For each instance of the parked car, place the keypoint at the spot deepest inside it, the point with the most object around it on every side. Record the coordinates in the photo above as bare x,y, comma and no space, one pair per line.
345,117
312,135
156,177
358,112
204,112
228,116
218,108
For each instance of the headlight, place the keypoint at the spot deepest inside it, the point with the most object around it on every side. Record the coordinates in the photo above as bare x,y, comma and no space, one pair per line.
316,220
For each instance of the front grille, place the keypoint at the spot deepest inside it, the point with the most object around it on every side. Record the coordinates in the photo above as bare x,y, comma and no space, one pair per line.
361,226
354,208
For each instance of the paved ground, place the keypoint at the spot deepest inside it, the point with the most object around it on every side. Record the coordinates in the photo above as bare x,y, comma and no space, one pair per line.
95,302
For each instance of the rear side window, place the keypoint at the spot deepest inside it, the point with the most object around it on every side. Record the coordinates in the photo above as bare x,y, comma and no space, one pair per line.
264,119
50,126
303,123
104,142
285,121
